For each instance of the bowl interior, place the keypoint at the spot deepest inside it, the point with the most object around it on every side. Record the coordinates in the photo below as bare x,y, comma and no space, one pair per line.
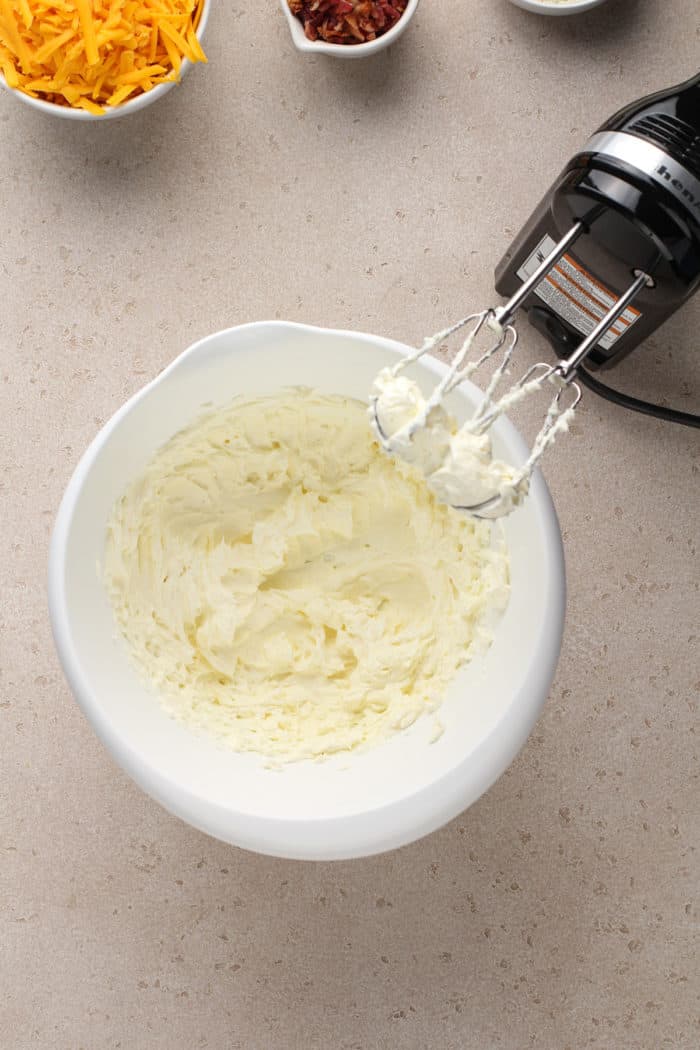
494,698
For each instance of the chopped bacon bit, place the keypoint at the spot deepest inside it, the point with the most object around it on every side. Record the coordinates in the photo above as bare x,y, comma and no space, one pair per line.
347,21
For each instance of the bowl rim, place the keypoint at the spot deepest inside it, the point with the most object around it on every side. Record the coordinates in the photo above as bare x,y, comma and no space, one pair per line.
132,105
369,47
546,7
356,835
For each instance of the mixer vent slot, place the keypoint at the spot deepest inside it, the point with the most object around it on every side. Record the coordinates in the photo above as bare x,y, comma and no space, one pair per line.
679,139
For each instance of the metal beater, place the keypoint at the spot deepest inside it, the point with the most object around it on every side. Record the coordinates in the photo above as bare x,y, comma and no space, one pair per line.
560,375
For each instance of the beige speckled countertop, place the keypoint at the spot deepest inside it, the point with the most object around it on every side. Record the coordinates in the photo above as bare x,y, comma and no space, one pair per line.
557,913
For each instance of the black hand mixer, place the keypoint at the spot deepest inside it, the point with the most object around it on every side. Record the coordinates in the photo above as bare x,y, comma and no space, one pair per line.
611,251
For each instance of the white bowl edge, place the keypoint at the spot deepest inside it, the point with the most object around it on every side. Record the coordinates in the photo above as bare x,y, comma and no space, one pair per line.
572,7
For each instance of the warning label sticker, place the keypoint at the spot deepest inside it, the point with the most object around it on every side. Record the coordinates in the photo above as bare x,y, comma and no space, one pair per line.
575,295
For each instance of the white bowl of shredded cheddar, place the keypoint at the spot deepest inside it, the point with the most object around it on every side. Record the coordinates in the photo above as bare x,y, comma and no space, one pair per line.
240,496
91,60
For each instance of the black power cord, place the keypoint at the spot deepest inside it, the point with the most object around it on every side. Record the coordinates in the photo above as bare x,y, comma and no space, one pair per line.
645,407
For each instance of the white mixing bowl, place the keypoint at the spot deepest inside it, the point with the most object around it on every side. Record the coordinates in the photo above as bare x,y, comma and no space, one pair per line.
349,805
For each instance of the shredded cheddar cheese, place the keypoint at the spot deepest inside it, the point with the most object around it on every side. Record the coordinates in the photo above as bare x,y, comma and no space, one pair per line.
89,54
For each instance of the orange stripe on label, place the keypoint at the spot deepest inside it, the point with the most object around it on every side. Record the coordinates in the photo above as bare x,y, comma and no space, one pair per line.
576,302
606,291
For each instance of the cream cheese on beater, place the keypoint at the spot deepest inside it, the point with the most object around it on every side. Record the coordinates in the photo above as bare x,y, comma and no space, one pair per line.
458,462
420,439
285,586
469,475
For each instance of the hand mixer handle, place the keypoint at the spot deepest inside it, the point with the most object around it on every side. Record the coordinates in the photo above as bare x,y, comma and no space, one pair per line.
670,119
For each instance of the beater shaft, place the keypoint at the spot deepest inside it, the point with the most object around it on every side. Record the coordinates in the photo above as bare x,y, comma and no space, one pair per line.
568,367
505,314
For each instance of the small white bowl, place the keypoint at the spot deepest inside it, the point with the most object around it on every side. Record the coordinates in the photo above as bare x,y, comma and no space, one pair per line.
112,112
571,7
348,805
320,47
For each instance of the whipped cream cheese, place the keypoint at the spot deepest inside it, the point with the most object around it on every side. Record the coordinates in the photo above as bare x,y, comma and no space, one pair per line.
285,586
